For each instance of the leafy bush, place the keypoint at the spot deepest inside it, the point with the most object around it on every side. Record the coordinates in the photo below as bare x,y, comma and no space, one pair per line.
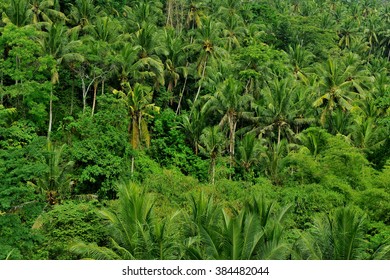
69,222
18,242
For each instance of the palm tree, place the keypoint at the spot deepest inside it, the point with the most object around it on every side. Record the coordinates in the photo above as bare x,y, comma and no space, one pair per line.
18,13
207,47
339,83
105,29
126,66
56,43
202,230
300,60
366,134
193,125
211,143
233,31
136,233
277,110
175,62
250,151
347,33
138,103
254,232
232,105
314,139
195,15
55,184
45,12
275,154
149,62
82,13
233,23
334,236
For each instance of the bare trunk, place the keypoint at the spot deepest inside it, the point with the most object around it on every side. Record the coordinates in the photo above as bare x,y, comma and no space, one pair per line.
50,114
169,13
181,95
201,80
232,128
132,166
213,170
85,91
84,94
95,86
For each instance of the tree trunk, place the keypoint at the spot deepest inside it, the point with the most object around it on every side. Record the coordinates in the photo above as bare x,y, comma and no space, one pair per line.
132,166
169,13
84,94
201,80
181,95
232,128
213,170
279,132
50,114
95,86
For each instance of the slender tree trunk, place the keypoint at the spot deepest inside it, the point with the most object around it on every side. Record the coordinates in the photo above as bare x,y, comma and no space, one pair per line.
181,95
50,114
232,128
85,91
132,166
201,80
84,94
95,86
279,132
169,13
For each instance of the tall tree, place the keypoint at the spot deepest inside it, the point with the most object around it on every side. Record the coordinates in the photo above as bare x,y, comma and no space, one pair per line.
233,106
138,100
339,84
57,44
207,47
211,143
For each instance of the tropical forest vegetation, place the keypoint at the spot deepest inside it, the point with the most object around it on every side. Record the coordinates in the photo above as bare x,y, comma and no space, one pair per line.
178,129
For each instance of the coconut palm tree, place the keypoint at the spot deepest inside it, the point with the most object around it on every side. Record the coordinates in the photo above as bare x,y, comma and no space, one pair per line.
275,154
314,139
175,62
136,232
56,43
300,60
149,50
202,230
334,236
211,144
277,109
55,184
233,106
207,47
254,232
250,151
138,101
82,14
339,84
45,12
193,125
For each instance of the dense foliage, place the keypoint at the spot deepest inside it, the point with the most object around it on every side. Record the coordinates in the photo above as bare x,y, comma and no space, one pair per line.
194,129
